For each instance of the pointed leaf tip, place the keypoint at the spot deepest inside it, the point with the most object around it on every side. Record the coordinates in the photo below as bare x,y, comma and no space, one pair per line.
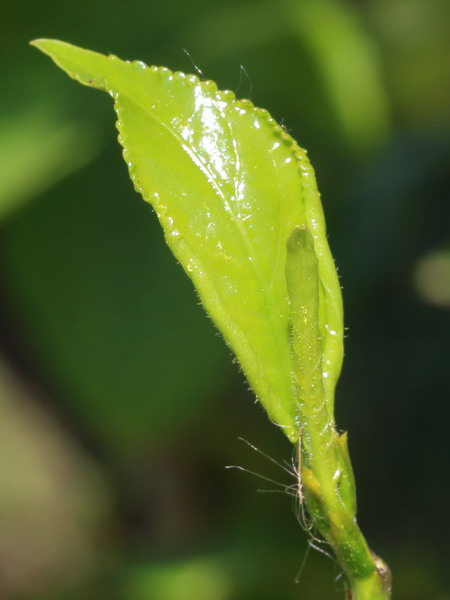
85,66
300,238
46,45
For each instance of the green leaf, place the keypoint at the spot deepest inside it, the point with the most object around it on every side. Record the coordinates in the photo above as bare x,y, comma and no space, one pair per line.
228,185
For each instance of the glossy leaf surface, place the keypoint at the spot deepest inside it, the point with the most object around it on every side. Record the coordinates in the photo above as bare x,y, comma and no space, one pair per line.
228,185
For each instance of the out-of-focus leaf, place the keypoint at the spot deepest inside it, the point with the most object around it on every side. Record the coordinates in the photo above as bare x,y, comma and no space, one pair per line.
35,154
432,278
347,61
415,42
195,579
228,185
49,493
103,309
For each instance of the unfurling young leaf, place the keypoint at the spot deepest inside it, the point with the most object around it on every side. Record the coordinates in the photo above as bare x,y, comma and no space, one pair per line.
237,199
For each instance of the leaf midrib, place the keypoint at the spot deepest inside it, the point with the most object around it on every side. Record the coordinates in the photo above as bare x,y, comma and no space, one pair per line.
256,267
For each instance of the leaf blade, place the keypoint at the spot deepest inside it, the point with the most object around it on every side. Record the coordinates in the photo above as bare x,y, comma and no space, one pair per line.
228,185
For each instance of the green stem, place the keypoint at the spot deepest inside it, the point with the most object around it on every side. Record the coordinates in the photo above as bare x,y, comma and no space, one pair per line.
375,587
329,495
325,471
330,502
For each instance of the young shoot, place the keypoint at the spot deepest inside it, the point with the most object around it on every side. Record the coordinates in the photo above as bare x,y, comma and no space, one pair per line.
237,199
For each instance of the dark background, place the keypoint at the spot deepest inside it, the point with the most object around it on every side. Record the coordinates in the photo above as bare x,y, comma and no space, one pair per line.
119,403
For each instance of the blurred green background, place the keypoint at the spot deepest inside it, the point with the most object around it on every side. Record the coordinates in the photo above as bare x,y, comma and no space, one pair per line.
120,405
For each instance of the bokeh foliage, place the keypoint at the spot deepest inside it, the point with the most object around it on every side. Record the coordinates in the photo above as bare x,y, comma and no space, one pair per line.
100,320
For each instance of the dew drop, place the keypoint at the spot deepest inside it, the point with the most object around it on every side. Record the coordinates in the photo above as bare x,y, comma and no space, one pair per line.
192,79
190,267
161,207
246,104
263,112
209,86
337,475
228,96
